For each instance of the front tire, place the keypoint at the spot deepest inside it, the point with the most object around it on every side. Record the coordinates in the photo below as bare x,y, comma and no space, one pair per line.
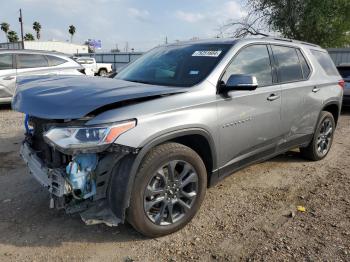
168,191
322,140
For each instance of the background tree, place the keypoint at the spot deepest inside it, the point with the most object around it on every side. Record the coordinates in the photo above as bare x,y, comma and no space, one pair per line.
28,37
5,27
12,36
323,22
71,32
37,28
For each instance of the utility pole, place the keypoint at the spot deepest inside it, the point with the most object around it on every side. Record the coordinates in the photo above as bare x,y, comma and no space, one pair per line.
21,21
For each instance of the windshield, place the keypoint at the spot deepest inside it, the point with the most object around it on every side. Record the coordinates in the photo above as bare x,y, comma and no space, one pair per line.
177,65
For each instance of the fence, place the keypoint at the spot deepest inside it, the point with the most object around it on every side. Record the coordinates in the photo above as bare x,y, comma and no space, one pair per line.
118,60
340,55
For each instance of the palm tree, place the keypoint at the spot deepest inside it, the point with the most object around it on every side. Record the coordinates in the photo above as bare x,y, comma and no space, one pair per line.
29,37
71,32
12,36
37,28
5,27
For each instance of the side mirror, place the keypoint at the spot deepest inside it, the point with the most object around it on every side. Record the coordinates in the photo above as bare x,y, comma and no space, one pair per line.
239,83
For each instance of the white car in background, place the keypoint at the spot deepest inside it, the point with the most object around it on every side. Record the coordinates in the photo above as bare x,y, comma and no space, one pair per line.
16,63
92,68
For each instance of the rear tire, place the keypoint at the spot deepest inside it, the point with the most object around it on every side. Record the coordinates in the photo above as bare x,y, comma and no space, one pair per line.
168,191
102,72
322,140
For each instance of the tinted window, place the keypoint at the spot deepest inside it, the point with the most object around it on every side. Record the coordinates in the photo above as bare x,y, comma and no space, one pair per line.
344,71
31,61
304,65
54,61
254,61
85,61
175,65
326,62
6,61
289,68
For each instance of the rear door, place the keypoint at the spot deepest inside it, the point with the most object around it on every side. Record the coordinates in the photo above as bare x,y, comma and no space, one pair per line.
7,77
249,121
300,103
33,64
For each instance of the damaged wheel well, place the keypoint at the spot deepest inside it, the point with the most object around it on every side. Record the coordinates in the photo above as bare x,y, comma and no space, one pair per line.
122,181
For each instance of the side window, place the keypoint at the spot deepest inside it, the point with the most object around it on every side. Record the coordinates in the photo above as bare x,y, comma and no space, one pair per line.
55,61
31,61
304,65
289,68
326,62
252,60
6,61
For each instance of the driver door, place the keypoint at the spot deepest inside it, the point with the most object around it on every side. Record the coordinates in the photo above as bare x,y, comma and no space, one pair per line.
249,121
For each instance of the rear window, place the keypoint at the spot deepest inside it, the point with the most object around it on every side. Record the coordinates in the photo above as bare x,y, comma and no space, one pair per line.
304,65
55,61
85,61
31,61
326,62
6,61
289,68
344,71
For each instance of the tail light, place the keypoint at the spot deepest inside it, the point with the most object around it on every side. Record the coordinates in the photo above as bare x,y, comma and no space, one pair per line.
341,83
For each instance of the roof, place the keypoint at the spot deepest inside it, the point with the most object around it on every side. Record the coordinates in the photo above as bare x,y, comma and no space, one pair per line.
232,41
32,51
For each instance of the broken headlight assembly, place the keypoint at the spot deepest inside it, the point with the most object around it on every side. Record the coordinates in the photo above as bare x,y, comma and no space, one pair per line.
85,139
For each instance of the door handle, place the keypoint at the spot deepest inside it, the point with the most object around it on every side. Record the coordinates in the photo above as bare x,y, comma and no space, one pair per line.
9,78
273,97
315,89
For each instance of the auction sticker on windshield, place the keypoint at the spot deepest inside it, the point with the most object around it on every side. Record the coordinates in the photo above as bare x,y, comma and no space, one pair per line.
207,53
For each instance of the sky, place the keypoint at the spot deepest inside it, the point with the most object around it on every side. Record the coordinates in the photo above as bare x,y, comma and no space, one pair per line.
143,24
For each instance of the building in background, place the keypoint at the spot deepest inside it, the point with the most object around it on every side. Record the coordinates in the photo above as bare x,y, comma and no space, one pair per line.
62,47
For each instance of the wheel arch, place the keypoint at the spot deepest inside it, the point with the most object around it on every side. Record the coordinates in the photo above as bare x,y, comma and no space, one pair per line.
189,137
334,108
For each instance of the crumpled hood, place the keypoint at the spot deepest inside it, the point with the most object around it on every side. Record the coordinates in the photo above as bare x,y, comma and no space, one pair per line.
73,97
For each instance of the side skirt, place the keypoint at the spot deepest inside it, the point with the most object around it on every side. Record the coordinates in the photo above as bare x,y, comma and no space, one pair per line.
257,157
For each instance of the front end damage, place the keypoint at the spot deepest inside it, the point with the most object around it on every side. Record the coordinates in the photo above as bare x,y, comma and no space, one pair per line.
77,179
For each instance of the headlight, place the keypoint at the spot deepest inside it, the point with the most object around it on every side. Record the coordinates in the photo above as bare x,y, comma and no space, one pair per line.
86,138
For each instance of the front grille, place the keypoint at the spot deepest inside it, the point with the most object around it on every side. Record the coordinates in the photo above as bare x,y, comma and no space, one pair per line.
52,158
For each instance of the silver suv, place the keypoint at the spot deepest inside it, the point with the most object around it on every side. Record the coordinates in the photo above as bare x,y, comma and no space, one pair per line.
144,147
17,63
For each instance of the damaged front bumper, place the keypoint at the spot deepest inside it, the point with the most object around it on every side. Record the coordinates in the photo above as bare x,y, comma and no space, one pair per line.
93,209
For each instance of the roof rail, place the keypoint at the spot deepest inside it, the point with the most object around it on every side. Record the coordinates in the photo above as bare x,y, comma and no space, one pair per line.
292,41
278,38
306,43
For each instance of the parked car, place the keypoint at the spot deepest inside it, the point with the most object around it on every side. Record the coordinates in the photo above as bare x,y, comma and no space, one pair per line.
17,63
344,71
143,147
92,68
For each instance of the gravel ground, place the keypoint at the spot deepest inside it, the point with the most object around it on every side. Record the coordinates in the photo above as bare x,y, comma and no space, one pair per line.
249,216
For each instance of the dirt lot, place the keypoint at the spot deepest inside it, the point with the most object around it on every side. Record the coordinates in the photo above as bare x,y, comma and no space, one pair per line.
248,216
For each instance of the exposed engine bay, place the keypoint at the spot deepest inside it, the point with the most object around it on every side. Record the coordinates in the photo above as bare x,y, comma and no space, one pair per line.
76,182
